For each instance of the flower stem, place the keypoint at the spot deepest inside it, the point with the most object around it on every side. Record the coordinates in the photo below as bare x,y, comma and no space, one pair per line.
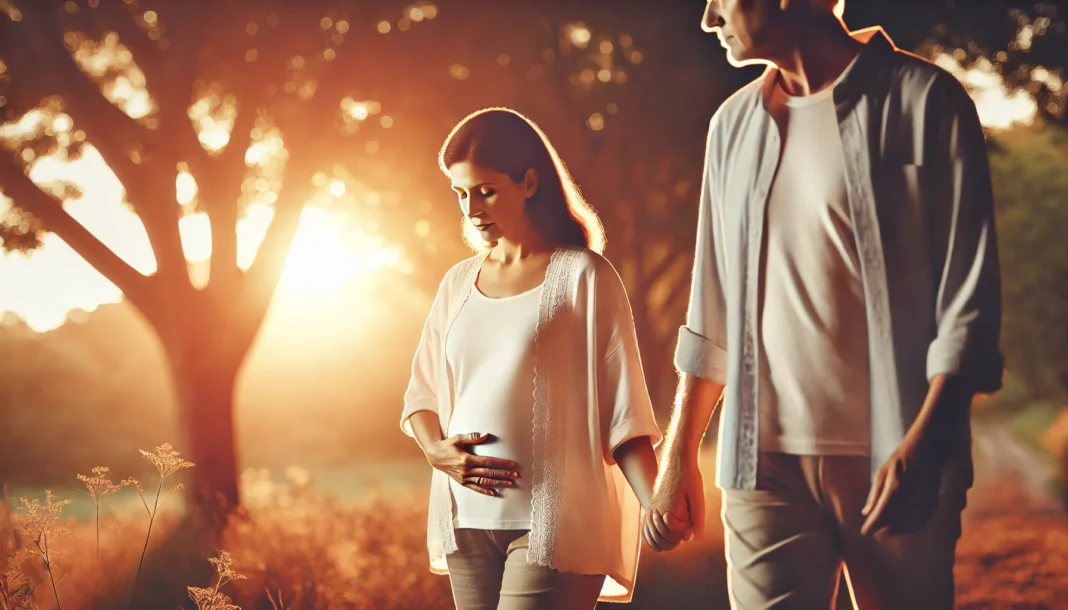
151,520
51,576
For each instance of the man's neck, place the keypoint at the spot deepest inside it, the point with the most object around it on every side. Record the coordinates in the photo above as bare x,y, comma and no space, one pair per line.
817,58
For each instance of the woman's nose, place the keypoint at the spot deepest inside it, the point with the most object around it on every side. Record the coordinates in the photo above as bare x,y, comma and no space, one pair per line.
712,18
465,206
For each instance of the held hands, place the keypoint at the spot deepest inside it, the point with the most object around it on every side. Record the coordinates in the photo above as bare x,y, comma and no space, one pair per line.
478,473
677,512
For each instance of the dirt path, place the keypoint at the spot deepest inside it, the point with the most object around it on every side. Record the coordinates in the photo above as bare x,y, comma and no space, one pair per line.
1002,459
1014,550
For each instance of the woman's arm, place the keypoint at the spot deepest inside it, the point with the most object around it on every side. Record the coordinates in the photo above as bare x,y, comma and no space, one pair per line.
637,460
426,429
629,426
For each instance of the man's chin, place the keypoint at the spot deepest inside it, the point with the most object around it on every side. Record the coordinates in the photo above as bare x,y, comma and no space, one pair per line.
741,59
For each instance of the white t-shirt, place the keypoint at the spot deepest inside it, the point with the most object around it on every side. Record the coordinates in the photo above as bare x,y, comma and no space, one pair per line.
489,353
814,392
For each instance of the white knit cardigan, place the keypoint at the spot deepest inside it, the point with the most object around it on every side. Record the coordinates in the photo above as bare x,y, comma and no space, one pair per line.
589,398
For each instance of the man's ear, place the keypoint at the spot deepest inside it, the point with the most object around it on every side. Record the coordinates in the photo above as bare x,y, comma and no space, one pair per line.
530,182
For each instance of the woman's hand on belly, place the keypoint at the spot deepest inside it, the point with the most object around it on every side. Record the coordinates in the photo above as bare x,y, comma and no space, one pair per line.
482,474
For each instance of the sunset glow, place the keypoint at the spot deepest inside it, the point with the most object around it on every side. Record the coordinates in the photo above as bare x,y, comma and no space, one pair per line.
326,253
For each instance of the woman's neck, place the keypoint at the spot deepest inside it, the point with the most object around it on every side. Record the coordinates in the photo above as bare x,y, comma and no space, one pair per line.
508,251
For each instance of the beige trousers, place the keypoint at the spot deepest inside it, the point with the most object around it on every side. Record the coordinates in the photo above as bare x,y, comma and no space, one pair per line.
788,541
489,571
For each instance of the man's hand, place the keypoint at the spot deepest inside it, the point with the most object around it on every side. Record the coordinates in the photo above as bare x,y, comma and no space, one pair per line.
903,494
677,511
905,490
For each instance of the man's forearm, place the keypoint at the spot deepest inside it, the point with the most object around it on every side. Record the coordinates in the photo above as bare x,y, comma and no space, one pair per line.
946,405
694,405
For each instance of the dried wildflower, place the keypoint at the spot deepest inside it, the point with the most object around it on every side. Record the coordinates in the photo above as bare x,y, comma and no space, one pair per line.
211,599
224,565
37,520
132,482
166,460
99,485
16,588
38,523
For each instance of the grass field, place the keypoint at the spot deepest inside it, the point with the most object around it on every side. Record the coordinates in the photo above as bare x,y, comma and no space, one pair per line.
338,548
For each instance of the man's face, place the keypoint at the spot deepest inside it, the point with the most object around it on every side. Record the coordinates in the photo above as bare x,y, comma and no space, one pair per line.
746,28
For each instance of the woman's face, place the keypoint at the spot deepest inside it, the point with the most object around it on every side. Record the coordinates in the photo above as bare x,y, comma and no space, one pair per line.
490,200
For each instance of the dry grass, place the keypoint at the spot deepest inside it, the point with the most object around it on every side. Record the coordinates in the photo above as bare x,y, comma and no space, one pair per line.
292,549
287,549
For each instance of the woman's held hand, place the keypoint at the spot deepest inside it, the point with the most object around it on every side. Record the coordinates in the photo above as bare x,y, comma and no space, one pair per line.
479,473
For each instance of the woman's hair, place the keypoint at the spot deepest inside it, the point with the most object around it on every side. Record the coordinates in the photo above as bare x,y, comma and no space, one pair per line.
507,142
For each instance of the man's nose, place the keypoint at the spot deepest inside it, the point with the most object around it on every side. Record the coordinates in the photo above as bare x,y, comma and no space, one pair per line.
712,18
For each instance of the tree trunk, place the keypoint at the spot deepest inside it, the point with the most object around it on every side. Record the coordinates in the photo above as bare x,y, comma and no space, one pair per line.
206,410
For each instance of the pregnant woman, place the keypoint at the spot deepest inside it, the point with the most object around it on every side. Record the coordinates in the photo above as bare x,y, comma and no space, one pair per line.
527,395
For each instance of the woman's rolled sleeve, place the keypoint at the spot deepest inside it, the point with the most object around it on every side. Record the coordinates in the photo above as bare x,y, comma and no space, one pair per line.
422,392
625,407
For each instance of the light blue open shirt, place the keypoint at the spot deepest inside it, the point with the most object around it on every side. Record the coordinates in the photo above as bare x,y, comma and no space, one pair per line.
919,193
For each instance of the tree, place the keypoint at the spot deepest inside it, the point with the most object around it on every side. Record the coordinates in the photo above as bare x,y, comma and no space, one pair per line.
287,88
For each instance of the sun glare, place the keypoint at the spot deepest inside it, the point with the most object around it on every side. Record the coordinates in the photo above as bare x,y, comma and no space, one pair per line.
327,252
997,108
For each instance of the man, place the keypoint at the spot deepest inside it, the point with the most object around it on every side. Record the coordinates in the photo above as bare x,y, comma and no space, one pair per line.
846,292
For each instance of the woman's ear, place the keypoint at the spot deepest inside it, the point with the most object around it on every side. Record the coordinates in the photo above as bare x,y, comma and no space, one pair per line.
530,183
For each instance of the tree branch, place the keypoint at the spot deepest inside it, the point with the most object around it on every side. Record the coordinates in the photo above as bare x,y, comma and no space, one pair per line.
222,193
115,135
27,195
185,32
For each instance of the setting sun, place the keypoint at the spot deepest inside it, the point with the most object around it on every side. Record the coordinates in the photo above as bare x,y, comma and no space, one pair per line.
326,253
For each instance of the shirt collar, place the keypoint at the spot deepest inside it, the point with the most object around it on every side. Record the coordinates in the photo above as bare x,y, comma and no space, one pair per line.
869,75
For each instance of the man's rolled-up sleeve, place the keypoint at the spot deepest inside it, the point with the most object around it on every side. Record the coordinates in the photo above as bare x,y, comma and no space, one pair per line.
702,345
968,302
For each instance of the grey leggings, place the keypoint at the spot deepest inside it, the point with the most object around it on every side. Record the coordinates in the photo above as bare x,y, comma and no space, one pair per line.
489,571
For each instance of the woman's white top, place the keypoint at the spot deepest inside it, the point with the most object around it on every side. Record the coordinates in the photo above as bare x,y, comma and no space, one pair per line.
589,398
489,353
